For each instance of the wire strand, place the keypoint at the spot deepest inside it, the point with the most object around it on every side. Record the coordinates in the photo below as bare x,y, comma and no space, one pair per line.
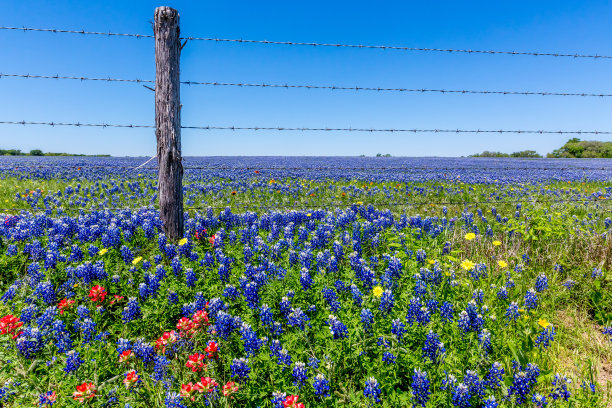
316,44
309,129
320,87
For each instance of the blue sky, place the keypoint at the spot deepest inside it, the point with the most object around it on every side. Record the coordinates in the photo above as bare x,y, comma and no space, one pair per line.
562,26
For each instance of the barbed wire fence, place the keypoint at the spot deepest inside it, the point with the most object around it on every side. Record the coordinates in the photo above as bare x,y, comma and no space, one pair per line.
167,18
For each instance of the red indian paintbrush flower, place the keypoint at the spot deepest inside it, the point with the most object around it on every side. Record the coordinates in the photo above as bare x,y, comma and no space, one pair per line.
9,324
125,356
230,388
131,379
212,349
168,338
184,325
206,384
292,402
187,391
195,362
200,318
97,294
84,391
65,304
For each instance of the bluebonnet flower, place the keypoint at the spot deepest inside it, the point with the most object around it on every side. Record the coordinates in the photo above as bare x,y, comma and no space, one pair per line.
433,349
523,381
420,387
160,367
372,390
240,369
305,279
30,342
190,277
461,396
278,398
494,377
502,293
366,319
596,273
250,340
607,330
545,337
484,338
329,294
388,358
337,329
398,329
300,374
356,294
531,299
386,302
512,312
131,311
73,361
126,254
297,318
172,297
313,363
48,398
569,283
123,345
560,390
321,386
420,288
143,350
539,400
88,327
477,296
541,283
414,310
490,402
174,400
446,312
45,292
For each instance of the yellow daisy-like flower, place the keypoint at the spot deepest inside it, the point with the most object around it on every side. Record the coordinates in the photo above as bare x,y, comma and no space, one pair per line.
136,260
359,203
470,236
309,215
183,241
543,322
496,243
502,264
378,291
432,261
102,251
467,265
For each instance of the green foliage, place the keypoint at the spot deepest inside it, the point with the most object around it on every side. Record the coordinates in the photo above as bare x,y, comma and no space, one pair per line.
576,148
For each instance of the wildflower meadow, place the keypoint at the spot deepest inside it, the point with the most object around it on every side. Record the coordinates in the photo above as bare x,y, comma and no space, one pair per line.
307,282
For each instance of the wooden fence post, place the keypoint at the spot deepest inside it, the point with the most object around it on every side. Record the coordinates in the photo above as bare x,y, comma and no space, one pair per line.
168,120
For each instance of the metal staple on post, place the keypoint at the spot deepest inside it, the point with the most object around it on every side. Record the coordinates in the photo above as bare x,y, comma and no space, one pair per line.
168,120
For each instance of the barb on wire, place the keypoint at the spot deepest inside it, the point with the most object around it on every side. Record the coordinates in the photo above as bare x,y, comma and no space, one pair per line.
324,87
83,32
316,44
326,129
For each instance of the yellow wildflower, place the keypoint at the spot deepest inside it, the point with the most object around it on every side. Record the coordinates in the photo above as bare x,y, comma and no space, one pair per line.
502,264
183,241
470,236
378,291
309,215
359,203
102,251
467,265
432,261
136,260
496,243
543,322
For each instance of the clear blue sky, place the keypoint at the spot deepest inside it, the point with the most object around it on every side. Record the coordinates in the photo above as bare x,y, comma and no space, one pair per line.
563,26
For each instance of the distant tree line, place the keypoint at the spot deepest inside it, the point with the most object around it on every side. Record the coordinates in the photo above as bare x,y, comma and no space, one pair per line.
576,148
532,154
572,149
38,152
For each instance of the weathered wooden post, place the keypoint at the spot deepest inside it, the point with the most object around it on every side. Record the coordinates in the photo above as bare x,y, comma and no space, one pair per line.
168,120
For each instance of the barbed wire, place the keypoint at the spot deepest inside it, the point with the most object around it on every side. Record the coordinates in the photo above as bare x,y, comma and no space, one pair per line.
255,168
398,48
83,32
326,129
282,206
317,44
324,87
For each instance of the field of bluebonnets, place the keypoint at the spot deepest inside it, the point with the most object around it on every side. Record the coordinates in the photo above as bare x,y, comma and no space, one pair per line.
397,282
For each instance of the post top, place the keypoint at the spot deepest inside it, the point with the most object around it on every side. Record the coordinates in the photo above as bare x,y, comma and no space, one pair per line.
166,12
